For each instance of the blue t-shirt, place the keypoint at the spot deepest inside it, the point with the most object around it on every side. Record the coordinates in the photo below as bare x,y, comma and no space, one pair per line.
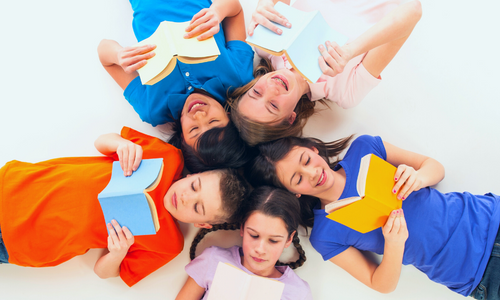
163,102
450,235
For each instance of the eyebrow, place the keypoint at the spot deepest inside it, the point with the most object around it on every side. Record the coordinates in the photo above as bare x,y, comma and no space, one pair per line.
202,205
300,159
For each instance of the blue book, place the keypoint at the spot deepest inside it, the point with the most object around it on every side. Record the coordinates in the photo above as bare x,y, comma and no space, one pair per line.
299,43
125,199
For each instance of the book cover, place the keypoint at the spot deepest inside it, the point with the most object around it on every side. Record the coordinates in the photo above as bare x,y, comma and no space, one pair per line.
125,199
299,43
231,283
372,208
172,46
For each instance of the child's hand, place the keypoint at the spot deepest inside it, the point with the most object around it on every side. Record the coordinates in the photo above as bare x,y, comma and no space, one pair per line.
205,24
264,14
133,58
119,240
395,230
407,180
333,58
130,156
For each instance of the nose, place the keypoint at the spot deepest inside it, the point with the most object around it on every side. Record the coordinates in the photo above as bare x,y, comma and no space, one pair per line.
199,114
260,247
311,173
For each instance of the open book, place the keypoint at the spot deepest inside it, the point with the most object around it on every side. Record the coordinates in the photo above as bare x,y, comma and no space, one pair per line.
231,283
170,46
125,199
299,43
376,201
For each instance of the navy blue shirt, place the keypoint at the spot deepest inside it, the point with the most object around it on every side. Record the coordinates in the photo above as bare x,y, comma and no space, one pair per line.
450,235
163,102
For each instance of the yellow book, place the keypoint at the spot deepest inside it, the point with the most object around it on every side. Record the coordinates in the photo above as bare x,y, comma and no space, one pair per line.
371,209
172,46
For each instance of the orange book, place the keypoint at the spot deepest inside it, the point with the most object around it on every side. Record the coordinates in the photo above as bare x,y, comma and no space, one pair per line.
376,201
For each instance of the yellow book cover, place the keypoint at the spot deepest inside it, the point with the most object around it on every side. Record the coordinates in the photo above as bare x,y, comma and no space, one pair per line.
172,46
371,209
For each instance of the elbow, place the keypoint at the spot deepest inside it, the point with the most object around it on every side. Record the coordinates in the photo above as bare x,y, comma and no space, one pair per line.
415,11
104,275
386,290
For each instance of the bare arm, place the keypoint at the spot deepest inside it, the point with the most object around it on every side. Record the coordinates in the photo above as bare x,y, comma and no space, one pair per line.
190,291
129,153
382,42
415,171
119,241
385,277
122,63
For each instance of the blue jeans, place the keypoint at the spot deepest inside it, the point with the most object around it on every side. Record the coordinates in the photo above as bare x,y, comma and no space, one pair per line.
4,256
489,287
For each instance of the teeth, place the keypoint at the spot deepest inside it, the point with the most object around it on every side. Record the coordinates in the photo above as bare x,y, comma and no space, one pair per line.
282,82
321,178
197,104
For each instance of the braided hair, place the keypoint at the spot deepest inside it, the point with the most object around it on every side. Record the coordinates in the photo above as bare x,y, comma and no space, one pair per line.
270,201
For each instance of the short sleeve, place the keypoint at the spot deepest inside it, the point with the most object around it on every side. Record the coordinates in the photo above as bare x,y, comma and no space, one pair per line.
241,56
201,268
372,144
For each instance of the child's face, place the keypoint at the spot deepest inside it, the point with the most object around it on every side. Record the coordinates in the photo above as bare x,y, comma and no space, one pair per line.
195,199
199,114
272,99
303,171
264,239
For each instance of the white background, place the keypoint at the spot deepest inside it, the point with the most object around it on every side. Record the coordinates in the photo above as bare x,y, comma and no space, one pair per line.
438,97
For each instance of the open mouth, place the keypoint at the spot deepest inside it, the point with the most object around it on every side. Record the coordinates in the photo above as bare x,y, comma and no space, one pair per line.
195,104
174,200
322,179
281,80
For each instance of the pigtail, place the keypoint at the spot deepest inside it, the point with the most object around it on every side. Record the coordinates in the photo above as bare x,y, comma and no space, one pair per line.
201,234
302,255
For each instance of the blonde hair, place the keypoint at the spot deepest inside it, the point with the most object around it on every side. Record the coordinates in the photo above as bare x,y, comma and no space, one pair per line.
254,132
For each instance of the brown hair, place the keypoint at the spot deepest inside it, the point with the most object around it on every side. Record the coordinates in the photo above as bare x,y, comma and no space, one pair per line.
253,132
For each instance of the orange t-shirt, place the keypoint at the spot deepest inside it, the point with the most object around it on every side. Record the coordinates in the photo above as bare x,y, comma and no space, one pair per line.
49,211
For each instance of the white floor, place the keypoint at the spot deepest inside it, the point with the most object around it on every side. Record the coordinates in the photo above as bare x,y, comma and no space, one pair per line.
439,97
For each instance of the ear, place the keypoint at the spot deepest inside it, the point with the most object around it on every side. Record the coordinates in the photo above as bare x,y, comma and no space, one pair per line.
291,118
289,241
202,225
315,150
298,195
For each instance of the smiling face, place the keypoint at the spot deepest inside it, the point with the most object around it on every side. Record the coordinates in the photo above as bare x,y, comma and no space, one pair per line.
264,239
199,114
273,97
303,171
195,198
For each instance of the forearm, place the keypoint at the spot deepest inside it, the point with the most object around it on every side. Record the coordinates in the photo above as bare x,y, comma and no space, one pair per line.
108,143
398,24
226,8
108,265
386,275
108,50
431,172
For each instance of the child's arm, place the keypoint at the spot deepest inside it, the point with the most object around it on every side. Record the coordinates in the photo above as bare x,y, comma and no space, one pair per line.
415,171
129,153
119,241
206,22
384,277
383,41
190,290
265,15
122,63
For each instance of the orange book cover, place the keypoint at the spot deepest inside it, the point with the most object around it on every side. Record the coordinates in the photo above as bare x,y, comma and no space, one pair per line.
376,201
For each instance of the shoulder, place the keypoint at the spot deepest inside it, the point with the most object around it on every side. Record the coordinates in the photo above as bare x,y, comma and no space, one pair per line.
365,144
295,287
240,48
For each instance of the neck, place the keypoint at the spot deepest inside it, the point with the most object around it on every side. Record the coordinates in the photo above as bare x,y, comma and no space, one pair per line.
302,82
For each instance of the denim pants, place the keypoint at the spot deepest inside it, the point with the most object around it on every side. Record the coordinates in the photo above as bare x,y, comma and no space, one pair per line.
4,256
489,287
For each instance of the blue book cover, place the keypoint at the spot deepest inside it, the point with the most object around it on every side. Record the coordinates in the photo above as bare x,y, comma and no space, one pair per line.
299,43
125,200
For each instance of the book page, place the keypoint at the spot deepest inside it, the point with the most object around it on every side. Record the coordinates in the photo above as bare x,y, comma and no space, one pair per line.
191,47
228,283
268,39
163,55
262,288
303,54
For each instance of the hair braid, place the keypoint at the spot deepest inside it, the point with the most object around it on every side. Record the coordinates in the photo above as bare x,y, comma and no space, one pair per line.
302,255
201,234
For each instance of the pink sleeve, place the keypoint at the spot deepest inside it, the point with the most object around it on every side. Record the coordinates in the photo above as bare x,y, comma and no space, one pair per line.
276,61
348,88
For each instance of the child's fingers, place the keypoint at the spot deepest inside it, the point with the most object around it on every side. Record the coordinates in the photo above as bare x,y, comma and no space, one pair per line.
331,61
273,15
406,188
251,27
260,19
119,231
128,235
138,158
112,235
208,34
400,182
402,220
325,68
390,221
337,53
198,15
